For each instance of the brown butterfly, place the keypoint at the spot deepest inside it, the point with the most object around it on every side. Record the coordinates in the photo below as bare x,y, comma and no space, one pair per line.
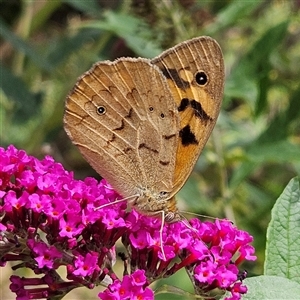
141,124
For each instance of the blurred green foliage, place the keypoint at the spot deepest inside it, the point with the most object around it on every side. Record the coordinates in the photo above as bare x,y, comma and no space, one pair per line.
255,148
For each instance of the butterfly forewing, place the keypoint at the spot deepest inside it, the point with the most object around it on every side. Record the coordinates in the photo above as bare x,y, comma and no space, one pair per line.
195,73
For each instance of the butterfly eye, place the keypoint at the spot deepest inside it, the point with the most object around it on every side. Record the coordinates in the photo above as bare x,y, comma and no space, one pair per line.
162,115
151,108
201,78
163,193
101,110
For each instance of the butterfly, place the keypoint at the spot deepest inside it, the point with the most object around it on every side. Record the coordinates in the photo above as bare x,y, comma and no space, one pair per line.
142,124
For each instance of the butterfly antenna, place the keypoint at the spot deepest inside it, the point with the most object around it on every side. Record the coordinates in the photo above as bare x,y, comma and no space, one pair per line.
114,202
187,224
195,214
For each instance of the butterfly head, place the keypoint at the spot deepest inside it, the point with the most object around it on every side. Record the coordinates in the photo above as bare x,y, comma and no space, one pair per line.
158,203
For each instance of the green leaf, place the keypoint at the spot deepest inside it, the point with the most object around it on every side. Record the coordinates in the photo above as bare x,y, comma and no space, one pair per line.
272,144
271,287
176,287
43,14
60,49
246,78
241,173
236,10
268,42
90,7
174,293
283,235
25,104
134,31
241,84
263,49
23,47
279,125
260,154
293,111
281,151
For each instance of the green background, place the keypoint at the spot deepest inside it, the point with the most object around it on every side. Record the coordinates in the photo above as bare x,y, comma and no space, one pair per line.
254,149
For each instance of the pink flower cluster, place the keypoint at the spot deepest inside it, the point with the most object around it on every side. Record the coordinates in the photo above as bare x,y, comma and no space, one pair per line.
49,220
131,287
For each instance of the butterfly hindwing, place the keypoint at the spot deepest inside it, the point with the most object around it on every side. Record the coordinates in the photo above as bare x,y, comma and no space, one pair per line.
122,117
